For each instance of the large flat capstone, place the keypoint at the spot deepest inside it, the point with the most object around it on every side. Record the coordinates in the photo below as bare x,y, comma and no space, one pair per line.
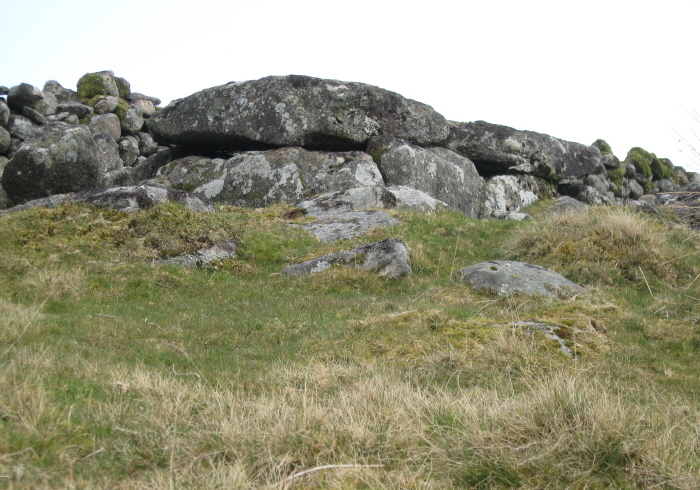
294,110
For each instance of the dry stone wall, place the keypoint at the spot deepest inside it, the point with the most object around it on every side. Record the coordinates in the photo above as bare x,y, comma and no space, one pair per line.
288,139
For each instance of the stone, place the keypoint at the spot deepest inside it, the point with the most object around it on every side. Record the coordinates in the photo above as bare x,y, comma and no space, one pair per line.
567,204
635,189
98,83
508,194
509,277
388,258
294,111
345,226
133,120
357,199
63,95
5,140
81,111
123,199
591,196
497,150
106,124
25,95
4,200
147,107
135,96
34,116
129,150
58,159
440,173
107,154
258,179
415,200
665,185
206,258
123,86
4,114
142,172
4,90
21,127
106,104
147,146
598,182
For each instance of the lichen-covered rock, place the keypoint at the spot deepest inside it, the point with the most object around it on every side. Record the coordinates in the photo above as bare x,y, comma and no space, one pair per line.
441,173
147,107
63,95
135,96
132,122
124,199
357,199
258,179
34,116
81,111
147,146
99,83
388,258
206,258
129,150
294,111
143,170
497,150
107,154
60,158
635,190
123,87
4,200
508,277
25,95
106,124
507,194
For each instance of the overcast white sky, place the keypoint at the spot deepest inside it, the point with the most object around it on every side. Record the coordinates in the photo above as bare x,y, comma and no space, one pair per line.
624,71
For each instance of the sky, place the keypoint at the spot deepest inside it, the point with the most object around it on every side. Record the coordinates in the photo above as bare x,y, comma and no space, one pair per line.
623,71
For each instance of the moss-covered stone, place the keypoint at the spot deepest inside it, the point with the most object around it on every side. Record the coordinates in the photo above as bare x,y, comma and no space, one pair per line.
616,176
603,146
649,187
123,86
91,84
641,159
662,168
121,109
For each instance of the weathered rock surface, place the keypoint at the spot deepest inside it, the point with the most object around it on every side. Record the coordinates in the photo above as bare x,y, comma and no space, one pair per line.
125,199
567,204
388,258
508,194
440,173
25,95
496,150
207,257
333,227
257,179
294,111
61,158
99,83
5,140
507,277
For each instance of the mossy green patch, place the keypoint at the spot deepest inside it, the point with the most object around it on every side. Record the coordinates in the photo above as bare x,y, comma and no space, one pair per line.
91,84
603,146
662,168
122,107
641,159
616,176
123,87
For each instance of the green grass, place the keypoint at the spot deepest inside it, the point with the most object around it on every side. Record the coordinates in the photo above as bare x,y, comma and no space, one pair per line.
119,372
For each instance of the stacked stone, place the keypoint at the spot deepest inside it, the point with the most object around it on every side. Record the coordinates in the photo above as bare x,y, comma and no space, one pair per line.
97,132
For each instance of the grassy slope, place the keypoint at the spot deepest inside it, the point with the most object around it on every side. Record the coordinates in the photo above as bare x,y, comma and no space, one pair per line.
118,372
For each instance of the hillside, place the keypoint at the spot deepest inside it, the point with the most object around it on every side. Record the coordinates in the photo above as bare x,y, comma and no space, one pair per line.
120,371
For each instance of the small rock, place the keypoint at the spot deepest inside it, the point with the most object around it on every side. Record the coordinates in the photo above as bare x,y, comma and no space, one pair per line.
5,141
389,258
133,120
99,83
4,114
81,111
63,95
106,104
129,150
106,124
147,146
206,257
507,277
34,116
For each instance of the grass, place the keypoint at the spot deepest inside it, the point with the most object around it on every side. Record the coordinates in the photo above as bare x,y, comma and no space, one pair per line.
119,372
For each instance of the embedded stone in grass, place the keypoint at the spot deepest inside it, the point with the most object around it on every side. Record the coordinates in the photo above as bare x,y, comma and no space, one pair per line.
206,257
507,277
389,258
